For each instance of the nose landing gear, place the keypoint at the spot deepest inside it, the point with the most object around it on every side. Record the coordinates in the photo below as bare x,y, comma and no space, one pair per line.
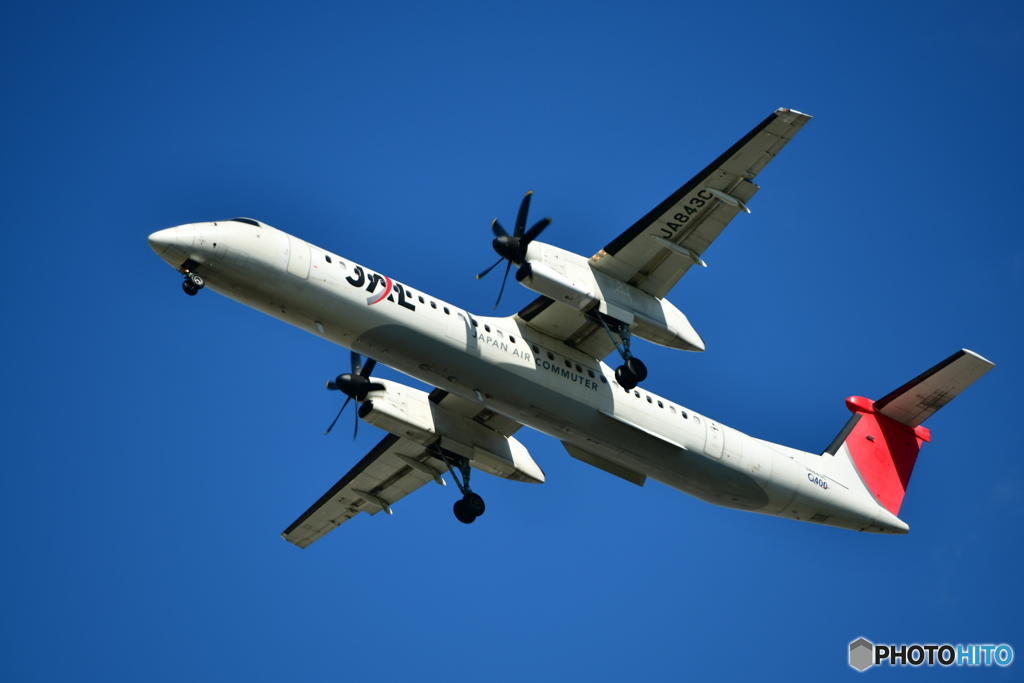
193,282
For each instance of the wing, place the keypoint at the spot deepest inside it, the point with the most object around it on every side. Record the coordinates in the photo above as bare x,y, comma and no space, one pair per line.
660,247
384,476
392,470
657,250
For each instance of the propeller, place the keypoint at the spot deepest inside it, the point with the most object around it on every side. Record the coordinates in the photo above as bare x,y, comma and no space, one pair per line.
356,385
512,248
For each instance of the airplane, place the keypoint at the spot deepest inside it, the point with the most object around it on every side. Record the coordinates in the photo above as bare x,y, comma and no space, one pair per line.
543,367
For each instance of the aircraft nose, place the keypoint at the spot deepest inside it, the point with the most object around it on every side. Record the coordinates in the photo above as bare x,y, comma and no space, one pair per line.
181,236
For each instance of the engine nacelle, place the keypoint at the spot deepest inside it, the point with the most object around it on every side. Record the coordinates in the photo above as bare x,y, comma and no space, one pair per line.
569,279
409,413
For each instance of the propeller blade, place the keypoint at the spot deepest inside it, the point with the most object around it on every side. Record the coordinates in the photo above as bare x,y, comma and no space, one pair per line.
521,218
503,280
489,269
356,432
536,230
368,368
338,415
357,364
497,229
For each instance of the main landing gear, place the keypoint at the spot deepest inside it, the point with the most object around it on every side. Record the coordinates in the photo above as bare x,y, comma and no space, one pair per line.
193,281
632,371
471,505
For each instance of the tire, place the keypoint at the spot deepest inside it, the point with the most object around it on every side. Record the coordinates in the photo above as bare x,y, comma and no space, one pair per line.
189,288
462,512
637,369
197,280
625,378
475,504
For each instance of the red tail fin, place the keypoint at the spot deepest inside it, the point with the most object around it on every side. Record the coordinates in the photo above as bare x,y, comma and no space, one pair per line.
884,451
885,436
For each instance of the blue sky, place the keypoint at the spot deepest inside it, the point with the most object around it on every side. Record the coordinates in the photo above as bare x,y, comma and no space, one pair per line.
156,444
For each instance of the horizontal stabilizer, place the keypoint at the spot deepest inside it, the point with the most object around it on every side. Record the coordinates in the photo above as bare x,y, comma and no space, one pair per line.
918,399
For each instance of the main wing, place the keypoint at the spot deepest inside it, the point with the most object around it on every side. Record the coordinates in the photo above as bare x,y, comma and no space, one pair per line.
392,470
384,476
657,250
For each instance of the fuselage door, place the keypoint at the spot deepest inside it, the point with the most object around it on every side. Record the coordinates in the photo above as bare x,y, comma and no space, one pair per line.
298,257
715,440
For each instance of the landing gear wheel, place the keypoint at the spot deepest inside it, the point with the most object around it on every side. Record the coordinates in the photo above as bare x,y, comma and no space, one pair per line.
474,503
625,378
189,288
196,280
637,369
462,512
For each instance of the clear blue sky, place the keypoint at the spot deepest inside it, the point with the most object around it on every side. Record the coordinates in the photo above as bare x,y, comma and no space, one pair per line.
155,445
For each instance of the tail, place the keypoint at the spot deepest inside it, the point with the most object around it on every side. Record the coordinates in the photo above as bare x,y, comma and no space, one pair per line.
884,437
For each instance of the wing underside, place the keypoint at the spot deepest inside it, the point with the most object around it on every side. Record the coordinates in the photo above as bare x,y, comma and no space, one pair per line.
380,479
657,250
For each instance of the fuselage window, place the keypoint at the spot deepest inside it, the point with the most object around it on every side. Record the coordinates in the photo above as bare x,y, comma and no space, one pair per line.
591,373
512,339
579,369
422,300
568,363
536,351
328,258
487,328
446,310
660,405
434,305
683,413
603,379
637,394
551,356
474,322
648,399
696,419
671,408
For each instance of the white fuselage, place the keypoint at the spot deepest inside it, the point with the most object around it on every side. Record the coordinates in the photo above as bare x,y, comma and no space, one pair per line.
516,371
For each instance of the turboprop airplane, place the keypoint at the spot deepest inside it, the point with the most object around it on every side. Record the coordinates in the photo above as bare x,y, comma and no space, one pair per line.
543,367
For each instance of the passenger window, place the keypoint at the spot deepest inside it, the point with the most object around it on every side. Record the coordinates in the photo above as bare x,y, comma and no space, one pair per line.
535,349
551,356
591,373
327,257
696,419
671,409
637,394
446,310
579,369
487,328
422,300
512,339
474,323
683,413
433,304
660,405
568,363
648,398
603,379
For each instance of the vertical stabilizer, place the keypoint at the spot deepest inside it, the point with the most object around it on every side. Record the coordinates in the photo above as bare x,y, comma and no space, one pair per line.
884,437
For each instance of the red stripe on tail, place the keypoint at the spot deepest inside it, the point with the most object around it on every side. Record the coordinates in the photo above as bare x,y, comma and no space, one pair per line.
884,452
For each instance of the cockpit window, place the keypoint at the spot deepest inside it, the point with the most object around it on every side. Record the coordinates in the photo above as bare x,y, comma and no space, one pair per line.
247,220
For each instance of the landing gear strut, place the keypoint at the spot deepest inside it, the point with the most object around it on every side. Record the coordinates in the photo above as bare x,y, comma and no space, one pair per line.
632,371
471,505
193,281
